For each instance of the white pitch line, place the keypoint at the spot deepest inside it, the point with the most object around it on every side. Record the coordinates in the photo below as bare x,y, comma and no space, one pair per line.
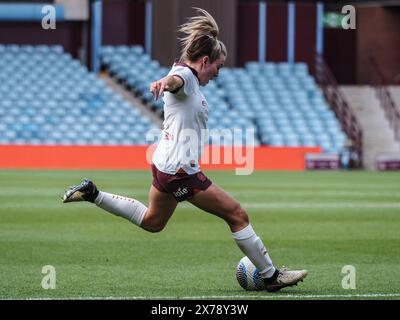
311,296
316,193
266,297
250,205
317,205
129,193
321,205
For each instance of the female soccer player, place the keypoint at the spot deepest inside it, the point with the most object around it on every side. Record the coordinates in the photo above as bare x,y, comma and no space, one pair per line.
176,173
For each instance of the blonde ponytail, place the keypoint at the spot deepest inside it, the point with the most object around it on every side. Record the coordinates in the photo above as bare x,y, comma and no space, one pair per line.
201,38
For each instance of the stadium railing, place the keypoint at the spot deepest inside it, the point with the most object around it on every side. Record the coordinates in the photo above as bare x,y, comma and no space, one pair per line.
385,98
327,81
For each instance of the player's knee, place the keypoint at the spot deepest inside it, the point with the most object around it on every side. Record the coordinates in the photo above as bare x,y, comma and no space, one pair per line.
157,229
152,226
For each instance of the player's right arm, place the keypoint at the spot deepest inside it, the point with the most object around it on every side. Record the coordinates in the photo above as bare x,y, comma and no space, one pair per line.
170,83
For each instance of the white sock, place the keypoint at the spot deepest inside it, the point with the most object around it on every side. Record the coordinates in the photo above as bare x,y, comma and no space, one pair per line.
127,208
252,246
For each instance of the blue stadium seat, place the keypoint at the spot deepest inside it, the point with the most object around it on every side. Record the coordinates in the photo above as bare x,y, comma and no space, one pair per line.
50,107
284,93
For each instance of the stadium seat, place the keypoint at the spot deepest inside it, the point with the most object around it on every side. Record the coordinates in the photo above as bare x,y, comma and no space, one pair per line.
65,105
280,100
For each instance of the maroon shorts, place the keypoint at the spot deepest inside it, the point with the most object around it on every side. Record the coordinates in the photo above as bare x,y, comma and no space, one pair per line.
181,186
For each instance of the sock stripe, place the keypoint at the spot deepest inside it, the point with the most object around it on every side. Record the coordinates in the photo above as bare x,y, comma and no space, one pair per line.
128,208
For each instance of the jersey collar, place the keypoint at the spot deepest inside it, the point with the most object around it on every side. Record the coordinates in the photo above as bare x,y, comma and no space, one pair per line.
182,64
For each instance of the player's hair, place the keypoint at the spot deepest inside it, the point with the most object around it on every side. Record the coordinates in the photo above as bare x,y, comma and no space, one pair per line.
200,38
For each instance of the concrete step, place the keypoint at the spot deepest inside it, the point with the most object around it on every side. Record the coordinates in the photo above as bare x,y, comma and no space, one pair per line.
130,97
395,93
378,136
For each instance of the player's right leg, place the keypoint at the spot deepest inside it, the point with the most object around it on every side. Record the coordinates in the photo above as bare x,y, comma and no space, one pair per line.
153,219
218,202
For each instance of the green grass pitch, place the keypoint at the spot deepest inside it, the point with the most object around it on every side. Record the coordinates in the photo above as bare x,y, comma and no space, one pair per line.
321,221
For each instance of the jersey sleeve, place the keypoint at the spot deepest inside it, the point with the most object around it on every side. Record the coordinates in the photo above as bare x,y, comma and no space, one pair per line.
187,77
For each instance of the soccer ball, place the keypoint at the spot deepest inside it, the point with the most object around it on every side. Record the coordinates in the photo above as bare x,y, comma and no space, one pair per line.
249,276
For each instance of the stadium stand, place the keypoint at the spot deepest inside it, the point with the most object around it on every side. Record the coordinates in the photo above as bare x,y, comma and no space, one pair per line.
135,69
279,101
284,101
48,98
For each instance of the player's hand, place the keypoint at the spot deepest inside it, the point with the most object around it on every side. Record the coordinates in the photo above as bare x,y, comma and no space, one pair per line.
158,87
168,83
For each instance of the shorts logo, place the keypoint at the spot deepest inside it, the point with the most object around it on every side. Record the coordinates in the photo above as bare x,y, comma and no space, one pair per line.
201,177
180,193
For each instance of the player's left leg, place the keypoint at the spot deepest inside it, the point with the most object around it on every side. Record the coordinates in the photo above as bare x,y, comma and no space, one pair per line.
128,208
154,218
161,207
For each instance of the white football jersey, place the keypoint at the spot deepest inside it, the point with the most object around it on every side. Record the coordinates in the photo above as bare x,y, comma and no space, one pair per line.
185,124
